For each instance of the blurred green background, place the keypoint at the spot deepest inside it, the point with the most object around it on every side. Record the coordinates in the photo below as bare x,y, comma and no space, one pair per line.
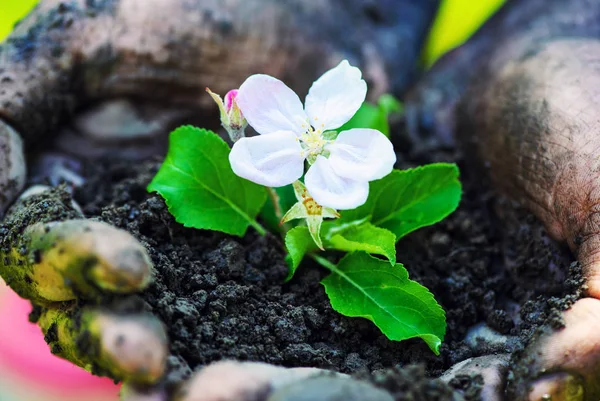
456,21
11,11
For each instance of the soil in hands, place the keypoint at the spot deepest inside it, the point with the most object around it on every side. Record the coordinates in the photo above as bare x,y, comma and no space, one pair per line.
223,297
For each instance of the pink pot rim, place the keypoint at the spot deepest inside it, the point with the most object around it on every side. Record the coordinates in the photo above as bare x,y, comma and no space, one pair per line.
24,352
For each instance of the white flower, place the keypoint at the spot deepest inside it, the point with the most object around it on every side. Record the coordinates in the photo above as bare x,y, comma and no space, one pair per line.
340,169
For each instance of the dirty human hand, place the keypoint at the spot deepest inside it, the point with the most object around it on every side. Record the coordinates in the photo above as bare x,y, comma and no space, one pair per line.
525,94
85,79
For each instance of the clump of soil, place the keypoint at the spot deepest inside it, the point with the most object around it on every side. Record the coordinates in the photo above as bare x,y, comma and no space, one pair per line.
224,297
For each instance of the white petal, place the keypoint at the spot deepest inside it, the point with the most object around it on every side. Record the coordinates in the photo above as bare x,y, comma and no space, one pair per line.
330,190
362,154
270,106
335,97
272,160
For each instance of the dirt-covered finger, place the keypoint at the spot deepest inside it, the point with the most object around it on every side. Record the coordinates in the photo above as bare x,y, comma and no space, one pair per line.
121,346
59,261
16,261
87,254
588,247
485,374
563,364
231,381
134,392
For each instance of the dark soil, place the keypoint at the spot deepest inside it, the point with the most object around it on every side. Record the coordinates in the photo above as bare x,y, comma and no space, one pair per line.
224,297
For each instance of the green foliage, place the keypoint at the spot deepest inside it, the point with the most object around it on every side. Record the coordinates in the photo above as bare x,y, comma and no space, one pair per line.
11,11
298,243
360,236
200,188
378,290
355,236
375,116
406,200
456,21
364,286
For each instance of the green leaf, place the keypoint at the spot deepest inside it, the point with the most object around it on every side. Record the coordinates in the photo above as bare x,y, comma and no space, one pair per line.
364,286
286,200
406,200
355,236
200,188
298,243
360,236
374,116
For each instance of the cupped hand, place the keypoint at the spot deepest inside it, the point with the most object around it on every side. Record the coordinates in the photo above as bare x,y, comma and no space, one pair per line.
526,101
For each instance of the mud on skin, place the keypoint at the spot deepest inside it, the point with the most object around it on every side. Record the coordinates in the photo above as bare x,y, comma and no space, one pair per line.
67,55
518,30
51,206
223,297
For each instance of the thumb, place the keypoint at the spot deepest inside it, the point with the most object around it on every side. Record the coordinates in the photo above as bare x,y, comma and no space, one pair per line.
588,254
12,166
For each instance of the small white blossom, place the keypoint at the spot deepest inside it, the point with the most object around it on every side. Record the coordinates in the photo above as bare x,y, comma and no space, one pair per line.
341,168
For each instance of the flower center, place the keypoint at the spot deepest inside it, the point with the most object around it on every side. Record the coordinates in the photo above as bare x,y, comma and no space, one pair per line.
312,142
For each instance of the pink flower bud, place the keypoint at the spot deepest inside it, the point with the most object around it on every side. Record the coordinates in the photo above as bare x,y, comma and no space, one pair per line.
230,98
232,118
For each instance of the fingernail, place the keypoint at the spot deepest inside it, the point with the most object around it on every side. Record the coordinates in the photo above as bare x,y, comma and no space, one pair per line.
132,269
123,265
133,346
557,387
132,392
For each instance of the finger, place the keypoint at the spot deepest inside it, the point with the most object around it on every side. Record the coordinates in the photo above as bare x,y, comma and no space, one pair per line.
562,365
12,166
48,261
232,381
328,388
587,252
59,261
134,392
89,256
132,347
557,386
15,262
491,368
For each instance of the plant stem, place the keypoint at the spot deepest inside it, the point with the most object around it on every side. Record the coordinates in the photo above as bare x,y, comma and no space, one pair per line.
258,227
325,263
277,210
275,201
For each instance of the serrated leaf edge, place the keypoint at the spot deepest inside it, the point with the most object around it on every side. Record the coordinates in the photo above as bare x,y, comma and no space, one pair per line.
152,186
456,172
436,308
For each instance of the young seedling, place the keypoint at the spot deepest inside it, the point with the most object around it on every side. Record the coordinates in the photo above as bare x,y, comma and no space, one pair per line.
350,198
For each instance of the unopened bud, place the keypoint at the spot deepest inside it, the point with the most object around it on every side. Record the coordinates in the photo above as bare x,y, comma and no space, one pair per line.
230,99
307,208
232,118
